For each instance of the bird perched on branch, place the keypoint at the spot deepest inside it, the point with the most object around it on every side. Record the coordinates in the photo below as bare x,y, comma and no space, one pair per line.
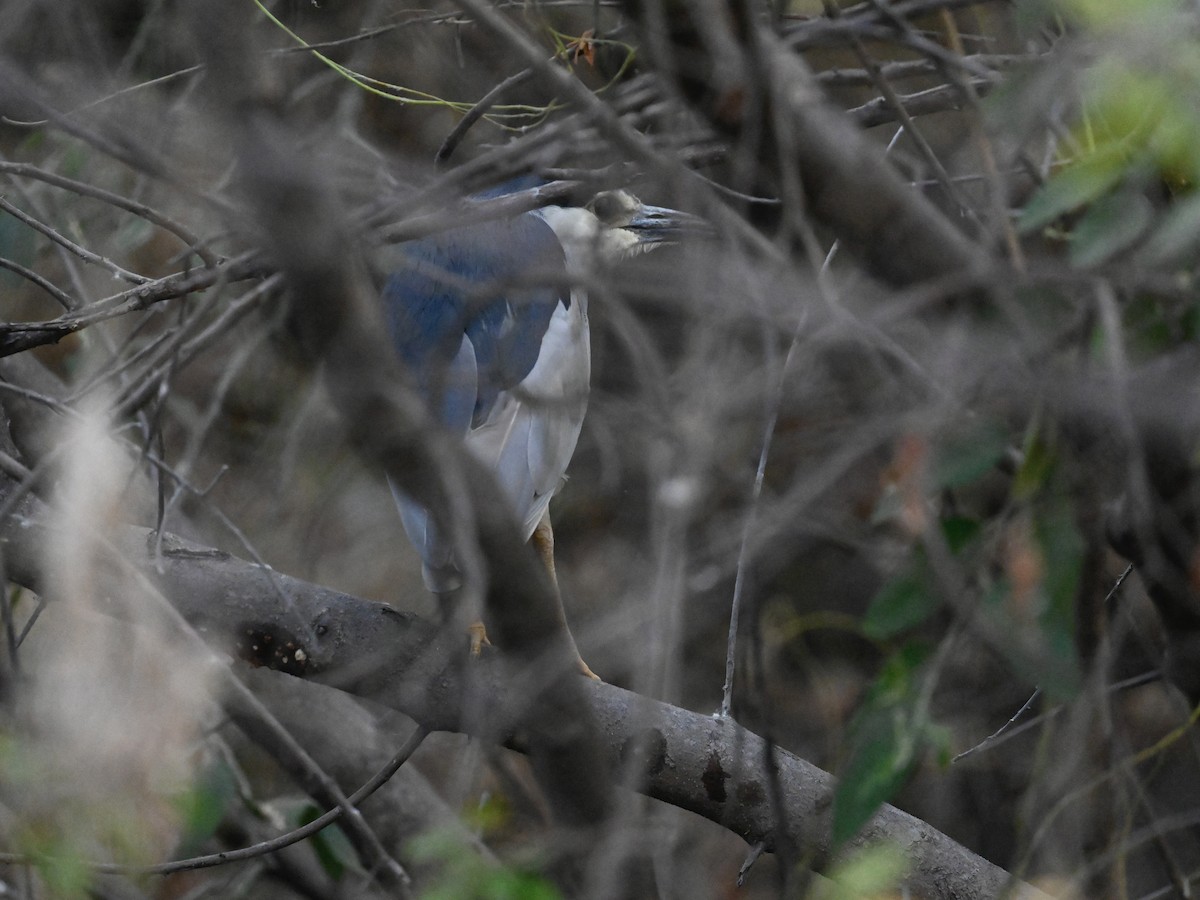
492,319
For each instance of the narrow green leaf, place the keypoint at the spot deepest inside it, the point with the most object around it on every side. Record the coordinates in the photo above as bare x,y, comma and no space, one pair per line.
885,737
880,764
1112,224
1071,188
334,851
1177,234
1063,549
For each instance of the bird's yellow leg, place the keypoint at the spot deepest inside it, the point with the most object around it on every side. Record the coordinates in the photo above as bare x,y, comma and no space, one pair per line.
451,600
478,636
543,542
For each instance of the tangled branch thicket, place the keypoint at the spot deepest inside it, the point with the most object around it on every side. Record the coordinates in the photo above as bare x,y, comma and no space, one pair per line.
919,419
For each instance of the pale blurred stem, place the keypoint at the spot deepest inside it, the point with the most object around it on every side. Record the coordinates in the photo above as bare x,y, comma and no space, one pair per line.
279,842
263,725
160,485
241,704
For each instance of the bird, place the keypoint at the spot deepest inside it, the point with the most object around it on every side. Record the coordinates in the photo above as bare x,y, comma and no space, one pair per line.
491,319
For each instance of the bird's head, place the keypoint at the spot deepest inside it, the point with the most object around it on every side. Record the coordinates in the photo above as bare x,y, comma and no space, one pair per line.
615,224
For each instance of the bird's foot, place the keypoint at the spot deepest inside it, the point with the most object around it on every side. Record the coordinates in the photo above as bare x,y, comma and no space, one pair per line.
479,638
584,670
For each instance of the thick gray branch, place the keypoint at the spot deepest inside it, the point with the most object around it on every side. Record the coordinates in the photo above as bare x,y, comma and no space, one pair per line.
710,766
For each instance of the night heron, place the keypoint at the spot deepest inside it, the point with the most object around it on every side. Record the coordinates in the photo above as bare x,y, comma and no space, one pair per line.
492,319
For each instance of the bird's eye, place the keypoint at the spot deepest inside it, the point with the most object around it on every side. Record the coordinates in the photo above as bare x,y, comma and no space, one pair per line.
607,206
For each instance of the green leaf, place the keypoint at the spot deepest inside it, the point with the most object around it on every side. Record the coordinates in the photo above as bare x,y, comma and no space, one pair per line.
869,872
1149,327
464,876
334,851
508,885
1177,234
66,872
1111,225
959,532
57,859
968,456
900,604
894,683
885,737
1071,188
490,816
940,740
203,806
1063,549
880,764
1106,14
1035,470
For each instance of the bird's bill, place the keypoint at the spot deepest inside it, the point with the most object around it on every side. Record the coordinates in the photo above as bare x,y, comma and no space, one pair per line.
660,225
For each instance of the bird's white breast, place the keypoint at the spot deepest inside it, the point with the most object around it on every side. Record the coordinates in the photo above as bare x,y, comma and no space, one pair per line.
578,231
531,433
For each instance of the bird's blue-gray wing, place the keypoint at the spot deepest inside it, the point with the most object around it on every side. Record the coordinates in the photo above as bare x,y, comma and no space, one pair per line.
530,435
470,312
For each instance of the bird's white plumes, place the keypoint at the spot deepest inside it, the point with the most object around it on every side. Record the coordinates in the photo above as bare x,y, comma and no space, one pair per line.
598,233
577,229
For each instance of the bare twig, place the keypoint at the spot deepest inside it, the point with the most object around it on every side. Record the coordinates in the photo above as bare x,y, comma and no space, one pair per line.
477,112
64,299
16,337
67,244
